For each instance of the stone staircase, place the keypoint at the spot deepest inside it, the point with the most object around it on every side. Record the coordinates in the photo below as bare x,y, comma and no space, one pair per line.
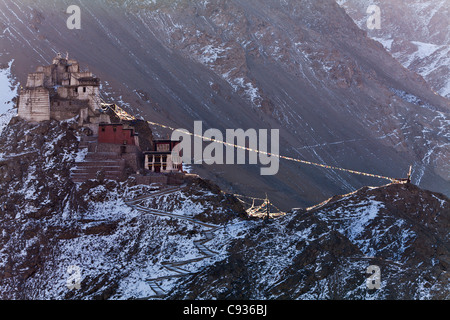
108,164
87,140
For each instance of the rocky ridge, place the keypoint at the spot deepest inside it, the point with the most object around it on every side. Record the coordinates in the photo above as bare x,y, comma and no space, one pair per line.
324,253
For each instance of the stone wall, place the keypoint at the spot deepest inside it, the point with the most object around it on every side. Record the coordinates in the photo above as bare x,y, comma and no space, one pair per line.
65,109
75,93
162,178
35,79
130,153
34,104
146,180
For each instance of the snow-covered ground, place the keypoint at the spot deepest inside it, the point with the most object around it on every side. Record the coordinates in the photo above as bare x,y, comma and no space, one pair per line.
8,90
125,238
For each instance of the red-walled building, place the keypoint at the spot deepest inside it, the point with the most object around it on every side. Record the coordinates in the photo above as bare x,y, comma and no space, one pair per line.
117,134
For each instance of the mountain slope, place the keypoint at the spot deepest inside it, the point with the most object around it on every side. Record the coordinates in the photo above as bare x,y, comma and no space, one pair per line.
324,253
48,223
302,67
416,33
130,241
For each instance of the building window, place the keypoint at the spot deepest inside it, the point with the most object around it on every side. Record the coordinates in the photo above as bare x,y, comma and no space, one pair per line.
84,89
103,129
76,89
163,147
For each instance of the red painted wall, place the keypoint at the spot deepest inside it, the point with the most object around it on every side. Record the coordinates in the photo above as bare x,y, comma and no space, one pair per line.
115,133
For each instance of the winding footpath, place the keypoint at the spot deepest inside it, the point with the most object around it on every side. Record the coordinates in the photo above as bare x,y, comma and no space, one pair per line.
175,267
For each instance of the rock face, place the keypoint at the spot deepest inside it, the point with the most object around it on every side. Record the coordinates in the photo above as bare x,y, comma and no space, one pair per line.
35,166
302,67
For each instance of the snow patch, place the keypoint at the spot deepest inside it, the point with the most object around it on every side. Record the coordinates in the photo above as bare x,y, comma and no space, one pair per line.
8,91
209,54
387,43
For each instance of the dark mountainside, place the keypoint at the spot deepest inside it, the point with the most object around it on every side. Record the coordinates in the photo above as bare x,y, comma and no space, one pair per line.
301,66
323,254
194,242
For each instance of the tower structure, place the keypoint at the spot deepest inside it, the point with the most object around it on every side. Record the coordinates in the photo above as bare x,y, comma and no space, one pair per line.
61,91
